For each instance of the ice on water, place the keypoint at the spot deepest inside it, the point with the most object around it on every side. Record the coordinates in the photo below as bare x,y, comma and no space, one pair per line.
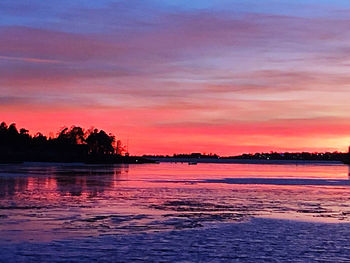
174,212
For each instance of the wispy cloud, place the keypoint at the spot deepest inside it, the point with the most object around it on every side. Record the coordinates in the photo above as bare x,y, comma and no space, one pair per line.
32,60
185,68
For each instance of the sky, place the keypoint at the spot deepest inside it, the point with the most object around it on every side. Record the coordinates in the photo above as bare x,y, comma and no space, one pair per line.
225,77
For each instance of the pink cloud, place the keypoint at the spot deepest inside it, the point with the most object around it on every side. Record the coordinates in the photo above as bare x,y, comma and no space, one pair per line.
219,81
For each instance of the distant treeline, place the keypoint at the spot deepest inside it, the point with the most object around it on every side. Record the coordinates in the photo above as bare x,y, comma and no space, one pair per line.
185,155
299,156
304,156
73,144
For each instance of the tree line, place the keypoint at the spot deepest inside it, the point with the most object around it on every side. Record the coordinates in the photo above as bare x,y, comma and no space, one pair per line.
72,144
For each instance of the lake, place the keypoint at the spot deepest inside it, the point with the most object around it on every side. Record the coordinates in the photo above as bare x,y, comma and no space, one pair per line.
175,212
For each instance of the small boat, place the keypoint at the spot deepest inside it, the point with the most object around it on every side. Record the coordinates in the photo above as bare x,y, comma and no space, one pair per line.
192,163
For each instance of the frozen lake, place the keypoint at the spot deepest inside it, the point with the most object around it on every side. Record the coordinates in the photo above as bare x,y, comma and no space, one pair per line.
175,212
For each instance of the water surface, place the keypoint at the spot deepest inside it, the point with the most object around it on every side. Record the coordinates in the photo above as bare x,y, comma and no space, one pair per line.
110,210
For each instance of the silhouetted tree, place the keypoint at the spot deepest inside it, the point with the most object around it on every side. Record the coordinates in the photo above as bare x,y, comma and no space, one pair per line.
3,128
119,148
12,134
70,145
23,131
24,138
74,135
100,142
3,133
39,139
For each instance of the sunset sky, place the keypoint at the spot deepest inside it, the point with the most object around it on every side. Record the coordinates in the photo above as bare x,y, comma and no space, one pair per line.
225,76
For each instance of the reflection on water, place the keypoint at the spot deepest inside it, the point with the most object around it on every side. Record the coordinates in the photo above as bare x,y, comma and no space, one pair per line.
41,202
75,180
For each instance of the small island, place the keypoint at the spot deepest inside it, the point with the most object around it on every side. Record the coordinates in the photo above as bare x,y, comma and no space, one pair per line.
71,145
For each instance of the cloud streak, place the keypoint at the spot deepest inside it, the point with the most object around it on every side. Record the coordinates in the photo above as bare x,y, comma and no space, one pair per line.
227,74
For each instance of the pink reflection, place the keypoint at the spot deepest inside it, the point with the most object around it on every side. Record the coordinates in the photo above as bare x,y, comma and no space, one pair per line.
84,200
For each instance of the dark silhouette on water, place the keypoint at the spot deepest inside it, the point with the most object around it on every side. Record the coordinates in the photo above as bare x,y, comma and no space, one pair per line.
71,145
256,157
302,156
96,146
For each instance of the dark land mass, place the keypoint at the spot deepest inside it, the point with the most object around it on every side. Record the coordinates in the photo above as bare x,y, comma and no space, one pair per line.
272,157
70,145
96,146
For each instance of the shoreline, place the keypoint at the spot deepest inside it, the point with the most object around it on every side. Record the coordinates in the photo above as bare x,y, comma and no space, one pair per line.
239,161
88,160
